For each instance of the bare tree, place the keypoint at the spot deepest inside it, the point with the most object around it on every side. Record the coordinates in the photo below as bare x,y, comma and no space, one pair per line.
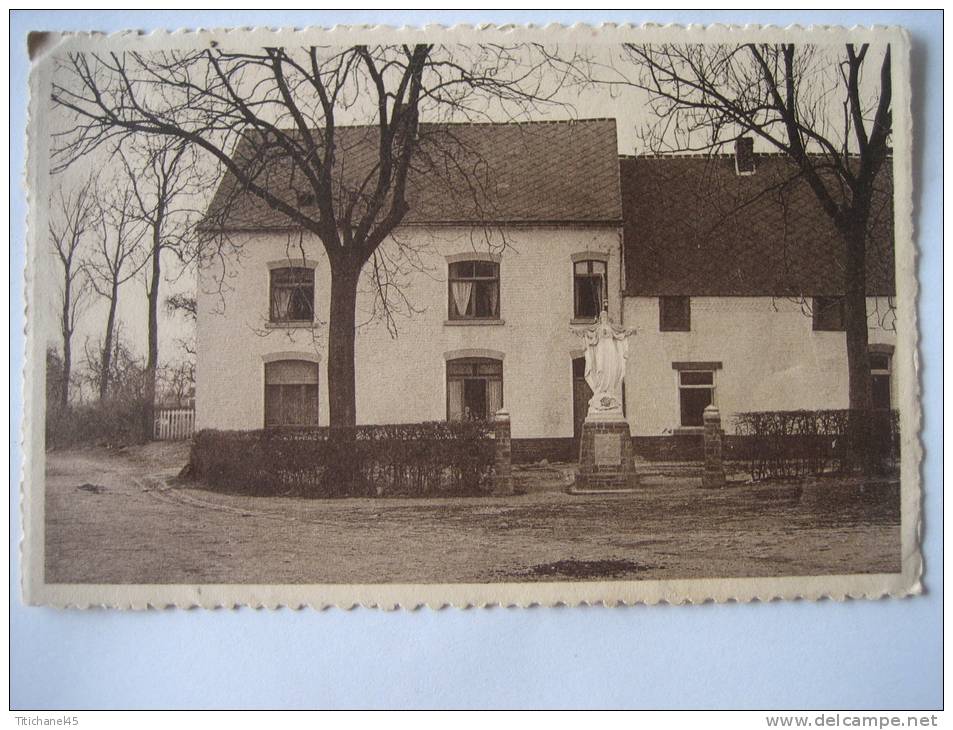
251,112
114,260
127,373
160,174
73,216
816,109
177,381
179,375
184,303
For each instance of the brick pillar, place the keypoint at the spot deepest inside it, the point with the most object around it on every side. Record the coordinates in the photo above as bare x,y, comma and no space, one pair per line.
714,475
503,471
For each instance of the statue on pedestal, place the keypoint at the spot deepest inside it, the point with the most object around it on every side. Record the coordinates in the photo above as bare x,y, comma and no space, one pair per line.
607,348
606,462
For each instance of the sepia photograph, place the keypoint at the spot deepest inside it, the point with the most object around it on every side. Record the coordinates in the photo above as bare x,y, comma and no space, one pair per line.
380,317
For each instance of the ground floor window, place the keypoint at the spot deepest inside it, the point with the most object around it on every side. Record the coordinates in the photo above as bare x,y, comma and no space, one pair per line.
474,388
291,393
880,380
696,391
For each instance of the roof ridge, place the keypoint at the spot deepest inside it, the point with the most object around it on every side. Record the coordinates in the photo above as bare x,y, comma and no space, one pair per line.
717,155
532,121
515,123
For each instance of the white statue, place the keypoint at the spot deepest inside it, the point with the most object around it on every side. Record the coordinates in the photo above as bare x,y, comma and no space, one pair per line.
607,348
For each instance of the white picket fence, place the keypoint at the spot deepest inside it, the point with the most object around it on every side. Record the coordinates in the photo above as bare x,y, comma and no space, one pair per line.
174,424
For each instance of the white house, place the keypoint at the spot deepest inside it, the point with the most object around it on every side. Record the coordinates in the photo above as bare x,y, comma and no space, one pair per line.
506,258
516,233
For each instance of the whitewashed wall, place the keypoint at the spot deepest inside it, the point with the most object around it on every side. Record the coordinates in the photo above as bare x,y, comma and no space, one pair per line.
771,358
402,379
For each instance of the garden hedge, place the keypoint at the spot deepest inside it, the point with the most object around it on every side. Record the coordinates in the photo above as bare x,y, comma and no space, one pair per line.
781,444
418,460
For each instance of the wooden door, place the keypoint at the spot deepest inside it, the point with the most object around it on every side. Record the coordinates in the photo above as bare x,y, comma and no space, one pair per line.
581,393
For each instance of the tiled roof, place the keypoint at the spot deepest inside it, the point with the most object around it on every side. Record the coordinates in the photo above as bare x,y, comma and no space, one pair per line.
693,226
462,173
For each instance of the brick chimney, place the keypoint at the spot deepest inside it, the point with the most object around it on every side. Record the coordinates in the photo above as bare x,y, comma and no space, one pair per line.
744,155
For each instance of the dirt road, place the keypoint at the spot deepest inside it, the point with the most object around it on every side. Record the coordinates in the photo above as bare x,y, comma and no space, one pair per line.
111,518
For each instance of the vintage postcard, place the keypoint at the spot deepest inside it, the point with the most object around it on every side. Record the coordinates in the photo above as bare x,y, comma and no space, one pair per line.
470,316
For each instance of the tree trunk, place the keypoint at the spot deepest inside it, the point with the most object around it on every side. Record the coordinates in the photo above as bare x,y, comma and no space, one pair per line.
67,348
152,360
861,435
106,360
341,335
855,316
67,366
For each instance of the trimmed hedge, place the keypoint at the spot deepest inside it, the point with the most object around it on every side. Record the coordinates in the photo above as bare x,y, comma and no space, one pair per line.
782,444
414,460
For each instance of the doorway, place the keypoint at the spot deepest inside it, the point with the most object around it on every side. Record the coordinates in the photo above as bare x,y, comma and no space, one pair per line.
581,393
474,399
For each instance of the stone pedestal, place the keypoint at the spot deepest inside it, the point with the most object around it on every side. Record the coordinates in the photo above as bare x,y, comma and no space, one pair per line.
605,457
714,475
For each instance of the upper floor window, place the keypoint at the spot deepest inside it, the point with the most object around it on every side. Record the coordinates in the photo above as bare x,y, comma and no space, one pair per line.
675,314
589,288
292,294
828,314
474,290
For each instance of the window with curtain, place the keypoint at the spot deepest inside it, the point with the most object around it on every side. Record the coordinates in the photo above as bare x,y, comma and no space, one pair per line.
291,393
474,290
589,288
474,388
292,294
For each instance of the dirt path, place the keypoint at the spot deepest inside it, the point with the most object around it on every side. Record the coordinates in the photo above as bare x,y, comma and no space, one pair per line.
111,518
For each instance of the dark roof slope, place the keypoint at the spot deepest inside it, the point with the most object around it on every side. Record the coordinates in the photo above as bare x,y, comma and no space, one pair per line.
534,172
693,226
